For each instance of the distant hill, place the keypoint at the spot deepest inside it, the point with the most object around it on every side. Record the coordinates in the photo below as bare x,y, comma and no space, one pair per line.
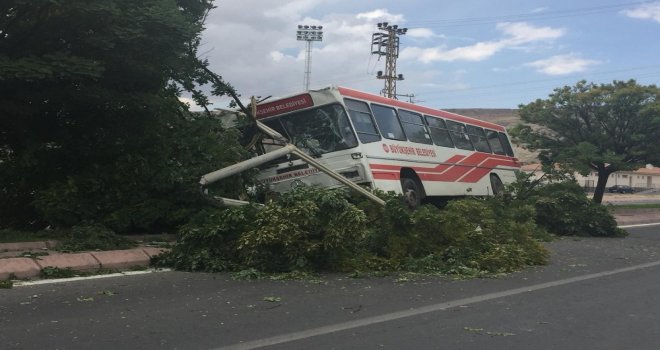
505,117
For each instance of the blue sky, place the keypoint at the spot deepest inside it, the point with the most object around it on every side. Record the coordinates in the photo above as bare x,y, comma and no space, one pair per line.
472,54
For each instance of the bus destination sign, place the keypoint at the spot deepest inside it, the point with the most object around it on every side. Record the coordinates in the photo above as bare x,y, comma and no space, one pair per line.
284,105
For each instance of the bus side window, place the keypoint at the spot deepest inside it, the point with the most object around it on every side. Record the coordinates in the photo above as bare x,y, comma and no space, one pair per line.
459,135
439,132
362,120
506,144
494,142
414,127
388,123
478,138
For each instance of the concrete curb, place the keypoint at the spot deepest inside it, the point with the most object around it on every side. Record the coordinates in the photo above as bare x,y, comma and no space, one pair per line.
121,259
19,267
23,267
78,261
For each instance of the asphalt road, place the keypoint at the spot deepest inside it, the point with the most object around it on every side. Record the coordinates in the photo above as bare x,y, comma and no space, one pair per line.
596,293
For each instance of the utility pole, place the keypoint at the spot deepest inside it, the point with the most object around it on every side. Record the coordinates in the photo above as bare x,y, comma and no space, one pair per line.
309,34
386,43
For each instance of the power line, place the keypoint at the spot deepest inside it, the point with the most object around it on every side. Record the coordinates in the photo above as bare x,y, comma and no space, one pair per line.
518,83
469,21
525,93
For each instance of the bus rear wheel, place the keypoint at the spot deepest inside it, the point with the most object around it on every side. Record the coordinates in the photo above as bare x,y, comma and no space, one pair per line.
412,193
497,185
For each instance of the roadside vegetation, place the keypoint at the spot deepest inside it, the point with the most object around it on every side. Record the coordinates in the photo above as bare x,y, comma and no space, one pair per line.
601,128
315,230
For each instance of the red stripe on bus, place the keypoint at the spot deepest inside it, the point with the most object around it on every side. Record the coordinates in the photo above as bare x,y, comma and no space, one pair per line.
485,168
455,159
417,108
475,158
476,174
455,173
461,172
379,175
438,169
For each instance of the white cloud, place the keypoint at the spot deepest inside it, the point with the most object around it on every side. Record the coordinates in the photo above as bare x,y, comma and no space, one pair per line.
516,34
423,33
522,33
276,56
380,15
291,11
645,11
562,64
187,100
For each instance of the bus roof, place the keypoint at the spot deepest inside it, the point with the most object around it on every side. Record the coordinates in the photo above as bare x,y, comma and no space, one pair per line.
346,92
303,100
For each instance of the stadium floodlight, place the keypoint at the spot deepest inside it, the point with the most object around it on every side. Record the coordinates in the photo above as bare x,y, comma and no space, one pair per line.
309,34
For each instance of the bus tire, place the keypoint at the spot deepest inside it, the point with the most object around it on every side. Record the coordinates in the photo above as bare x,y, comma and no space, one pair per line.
496,185
412,193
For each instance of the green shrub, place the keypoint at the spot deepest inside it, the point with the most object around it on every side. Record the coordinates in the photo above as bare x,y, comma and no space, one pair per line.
311,229
399,233
490,236
564,209
306,228
467,237
208,242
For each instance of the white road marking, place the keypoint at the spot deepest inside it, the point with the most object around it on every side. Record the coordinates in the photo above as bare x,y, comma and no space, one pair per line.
85,278
284,338
640,225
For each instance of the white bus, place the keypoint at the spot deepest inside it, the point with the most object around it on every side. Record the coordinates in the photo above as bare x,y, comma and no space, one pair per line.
386,144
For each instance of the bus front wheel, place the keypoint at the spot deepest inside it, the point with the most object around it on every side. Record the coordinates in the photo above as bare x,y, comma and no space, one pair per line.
412,193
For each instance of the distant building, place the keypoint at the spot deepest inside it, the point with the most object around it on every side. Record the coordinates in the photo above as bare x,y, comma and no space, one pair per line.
640,179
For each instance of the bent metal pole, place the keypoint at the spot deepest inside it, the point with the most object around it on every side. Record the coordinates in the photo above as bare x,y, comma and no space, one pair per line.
333,174
288,148
245,165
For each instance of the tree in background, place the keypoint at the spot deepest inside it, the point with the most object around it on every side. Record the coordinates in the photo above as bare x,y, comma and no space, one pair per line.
91,128
588,127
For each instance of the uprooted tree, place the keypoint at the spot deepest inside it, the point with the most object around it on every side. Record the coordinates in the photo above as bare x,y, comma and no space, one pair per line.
587,127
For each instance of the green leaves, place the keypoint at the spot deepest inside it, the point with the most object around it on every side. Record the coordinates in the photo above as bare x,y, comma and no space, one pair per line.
306,228
586,127
90,129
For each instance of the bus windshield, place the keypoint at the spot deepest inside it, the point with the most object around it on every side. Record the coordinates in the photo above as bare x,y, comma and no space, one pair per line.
318,130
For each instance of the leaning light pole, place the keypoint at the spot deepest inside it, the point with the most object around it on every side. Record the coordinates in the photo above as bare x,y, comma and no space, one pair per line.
308,34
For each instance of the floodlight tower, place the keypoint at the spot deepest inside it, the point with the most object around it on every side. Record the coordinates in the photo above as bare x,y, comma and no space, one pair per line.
309,34
386,43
